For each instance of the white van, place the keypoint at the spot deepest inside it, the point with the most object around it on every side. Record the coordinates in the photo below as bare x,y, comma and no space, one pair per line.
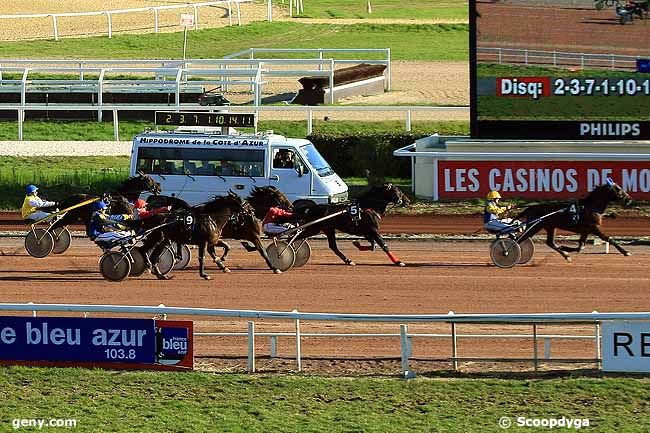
197,166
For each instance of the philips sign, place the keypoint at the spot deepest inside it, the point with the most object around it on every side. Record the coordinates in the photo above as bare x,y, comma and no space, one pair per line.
626,346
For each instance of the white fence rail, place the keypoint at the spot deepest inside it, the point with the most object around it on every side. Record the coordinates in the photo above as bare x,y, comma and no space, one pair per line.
405,338
307,110
556,58
155,10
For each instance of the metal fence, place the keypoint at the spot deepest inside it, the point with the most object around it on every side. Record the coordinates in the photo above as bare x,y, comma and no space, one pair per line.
154,9
513,56
308,111
402,320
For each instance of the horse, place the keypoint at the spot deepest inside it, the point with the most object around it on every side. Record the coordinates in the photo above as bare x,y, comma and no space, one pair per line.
245,226
200,225
128,191
372,205
583,217
261,199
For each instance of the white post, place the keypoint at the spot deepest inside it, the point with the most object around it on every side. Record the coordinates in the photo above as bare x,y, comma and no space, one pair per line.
116,126
196,18
56,28
229,14
535,346
238,14
291,8
33,311
408,120
274,346
298,349
269,11
597,339
21,118
184,42
404,346
155,19
23,87
100,94
606,247
250,367
110,25
332,81
310,121
454,346
387,86
320,57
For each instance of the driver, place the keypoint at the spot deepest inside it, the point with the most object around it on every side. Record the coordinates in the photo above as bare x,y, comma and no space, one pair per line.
493,215
32,205
140,211
107,228
273,221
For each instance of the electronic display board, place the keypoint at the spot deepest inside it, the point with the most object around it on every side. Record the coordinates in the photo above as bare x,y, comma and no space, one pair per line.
560,69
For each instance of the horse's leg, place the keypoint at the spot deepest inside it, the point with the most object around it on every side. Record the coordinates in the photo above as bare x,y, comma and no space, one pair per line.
219,261
550,241
331,239
201,261
249,246
373,237
155,255
260,248
579,248
606,238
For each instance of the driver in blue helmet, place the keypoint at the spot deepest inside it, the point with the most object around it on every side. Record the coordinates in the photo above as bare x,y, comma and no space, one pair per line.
107,228
33,205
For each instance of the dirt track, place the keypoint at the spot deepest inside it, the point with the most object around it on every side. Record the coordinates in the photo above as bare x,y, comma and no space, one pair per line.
561,29
440,276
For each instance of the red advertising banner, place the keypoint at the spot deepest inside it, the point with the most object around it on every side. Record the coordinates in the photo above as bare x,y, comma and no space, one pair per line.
539,179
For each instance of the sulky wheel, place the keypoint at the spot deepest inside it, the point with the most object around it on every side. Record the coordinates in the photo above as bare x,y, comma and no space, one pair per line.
505,252
527,251
281,255
39,243
303,252
62,240
166,261
138,263
115,266
186,256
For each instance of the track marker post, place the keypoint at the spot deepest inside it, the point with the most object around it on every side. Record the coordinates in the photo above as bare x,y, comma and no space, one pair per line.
298,348
454,344
250,367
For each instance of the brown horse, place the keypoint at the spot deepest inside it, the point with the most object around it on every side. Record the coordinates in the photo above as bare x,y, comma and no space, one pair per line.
372,205
583,217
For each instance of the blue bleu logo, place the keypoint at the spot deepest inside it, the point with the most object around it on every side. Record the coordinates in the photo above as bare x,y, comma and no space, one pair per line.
173,345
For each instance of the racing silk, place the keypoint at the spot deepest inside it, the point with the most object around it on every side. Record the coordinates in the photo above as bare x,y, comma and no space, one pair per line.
141,214
492,211
32,203
274,214
102,223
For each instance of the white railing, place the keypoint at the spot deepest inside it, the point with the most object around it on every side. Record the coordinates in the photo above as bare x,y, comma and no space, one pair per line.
556,58
407,111
154,9
405,338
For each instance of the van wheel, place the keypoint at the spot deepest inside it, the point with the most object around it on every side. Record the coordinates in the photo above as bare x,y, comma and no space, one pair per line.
300,204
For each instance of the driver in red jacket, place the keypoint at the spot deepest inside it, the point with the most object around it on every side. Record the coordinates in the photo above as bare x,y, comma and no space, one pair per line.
140,212
272,223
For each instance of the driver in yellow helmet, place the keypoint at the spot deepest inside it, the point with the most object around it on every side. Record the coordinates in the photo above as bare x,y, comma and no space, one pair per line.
493,216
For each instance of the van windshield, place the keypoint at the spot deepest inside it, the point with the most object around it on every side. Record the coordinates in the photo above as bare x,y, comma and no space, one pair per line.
316,160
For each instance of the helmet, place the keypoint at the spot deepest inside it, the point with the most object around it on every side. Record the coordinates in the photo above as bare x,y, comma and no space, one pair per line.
100,205
492,195
31,189
140,204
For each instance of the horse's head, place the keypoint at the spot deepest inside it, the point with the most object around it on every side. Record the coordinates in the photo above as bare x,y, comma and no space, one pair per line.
265,197
141,183
616,193
392,194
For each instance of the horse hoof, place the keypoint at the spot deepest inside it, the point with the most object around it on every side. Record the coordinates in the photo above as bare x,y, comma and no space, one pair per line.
350,263
226,271
206,277
277,271
400,264
568,259
627,254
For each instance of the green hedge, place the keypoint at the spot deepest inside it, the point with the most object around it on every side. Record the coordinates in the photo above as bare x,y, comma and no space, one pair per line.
351,156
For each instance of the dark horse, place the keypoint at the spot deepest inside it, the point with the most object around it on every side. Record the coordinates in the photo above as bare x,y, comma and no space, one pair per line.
128,191
199,225
245,226
373,205
584,217
261,200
